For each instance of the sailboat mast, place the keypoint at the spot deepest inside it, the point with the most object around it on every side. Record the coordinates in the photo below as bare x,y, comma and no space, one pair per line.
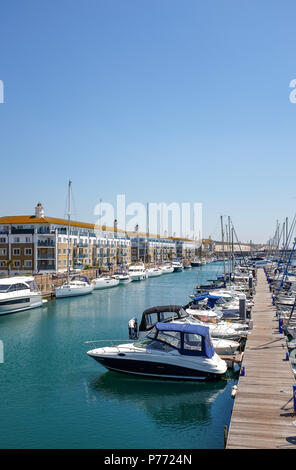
69,220
222,233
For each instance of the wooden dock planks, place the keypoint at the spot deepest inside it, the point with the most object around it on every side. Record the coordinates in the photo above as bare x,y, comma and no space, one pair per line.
263,411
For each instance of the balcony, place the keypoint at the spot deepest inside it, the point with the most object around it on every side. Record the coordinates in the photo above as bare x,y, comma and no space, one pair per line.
46,243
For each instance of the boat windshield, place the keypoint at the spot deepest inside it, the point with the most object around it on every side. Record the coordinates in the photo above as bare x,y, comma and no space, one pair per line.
161,340
4,287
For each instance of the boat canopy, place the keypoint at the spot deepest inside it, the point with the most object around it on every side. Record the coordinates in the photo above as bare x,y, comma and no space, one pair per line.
190,345
161,313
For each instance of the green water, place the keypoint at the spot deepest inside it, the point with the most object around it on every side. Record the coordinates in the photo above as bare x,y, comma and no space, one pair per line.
55,396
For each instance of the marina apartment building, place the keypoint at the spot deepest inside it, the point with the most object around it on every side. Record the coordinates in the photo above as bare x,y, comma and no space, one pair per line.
38,244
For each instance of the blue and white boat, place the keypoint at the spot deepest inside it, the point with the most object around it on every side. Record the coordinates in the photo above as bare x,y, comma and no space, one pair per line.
169,351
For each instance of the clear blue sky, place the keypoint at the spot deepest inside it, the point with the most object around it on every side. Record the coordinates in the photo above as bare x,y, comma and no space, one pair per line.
161,100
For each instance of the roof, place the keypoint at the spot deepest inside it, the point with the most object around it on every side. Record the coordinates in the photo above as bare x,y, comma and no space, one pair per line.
31,219
183,328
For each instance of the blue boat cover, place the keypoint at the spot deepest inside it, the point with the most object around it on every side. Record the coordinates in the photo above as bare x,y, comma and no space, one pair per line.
204,331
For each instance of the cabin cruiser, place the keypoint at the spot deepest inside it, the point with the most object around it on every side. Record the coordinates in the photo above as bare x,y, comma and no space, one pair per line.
170,350
167,268
19,293
175,313
196,262
154,271
104,282
177,265
123,276
74,287
137,272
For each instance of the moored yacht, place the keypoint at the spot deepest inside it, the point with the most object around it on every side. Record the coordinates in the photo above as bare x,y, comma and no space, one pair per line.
74,287
122,276
167,268
154,271
105,282
137,272
19,293
170,351
177,265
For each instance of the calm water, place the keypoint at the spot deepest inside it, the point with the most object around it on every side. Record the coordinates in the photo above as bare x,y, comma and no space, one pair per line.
54,396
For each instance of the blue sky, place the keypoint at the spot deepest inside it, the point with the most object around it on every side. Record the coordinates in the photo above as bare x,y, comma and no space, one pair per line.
160,100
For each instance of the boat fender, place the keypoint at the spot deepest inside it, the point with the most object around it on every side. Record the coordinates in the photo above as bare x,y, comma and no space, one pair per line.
233,391
133,328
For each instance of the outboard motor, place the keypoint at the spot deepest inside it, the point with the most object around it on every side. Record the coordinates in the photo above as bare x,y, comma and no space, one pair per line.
133,328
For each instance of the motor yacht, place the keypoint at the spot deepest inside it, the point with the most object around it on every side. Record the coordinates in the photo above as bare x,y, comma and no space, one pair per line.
123,276
137,272
19,293
169,351
177,265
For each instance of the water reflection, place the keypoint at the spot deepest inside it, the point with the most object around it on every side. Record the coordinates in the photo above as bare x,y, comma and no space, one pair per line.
176,404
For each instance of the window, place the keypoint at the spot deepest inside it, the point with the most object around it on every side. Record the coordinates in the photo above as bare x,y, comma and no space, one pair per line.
60,251
16,240
2,251
28,240
170,337
2,264
28,251
16,251
2,240
28,264
192,342
64,251
16,264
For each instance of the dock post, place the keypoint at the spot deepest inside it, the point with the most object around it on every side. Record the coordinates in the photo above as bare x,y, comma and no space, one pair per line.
242,307
294,398
225,435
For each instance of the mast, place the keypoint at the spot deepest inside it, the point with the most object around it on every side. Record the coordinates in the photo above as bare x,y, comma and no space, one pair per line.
69,220
222,233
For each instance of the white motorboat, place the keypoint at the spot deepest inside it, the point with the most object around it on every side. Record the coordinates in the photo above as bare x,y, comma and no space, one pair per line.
137,272
167,268
74,288
170,351
19,293
154,272
122,276
105,282
177,265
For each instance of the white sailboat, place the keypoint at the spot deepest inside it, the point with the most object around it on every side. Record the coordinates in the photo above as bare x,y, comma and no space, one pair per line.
104,282
73,287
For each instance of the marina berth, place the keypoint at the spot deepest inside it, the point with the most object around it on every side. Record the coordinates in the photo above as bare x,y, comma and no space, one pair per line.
169,351
19,293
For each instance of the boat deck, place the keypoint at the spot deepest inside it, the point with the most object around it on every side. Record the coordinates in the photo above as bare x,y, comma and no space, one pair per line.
263,412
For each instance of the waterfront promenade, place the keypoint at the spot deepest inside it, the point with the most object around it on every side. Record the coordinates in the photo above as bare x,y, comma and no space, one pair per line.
263,412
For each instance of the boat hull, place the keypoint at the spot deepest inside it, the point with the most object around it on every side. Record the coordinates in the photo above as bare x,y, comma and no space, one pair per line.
106,284
25,302
155,369
73,292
